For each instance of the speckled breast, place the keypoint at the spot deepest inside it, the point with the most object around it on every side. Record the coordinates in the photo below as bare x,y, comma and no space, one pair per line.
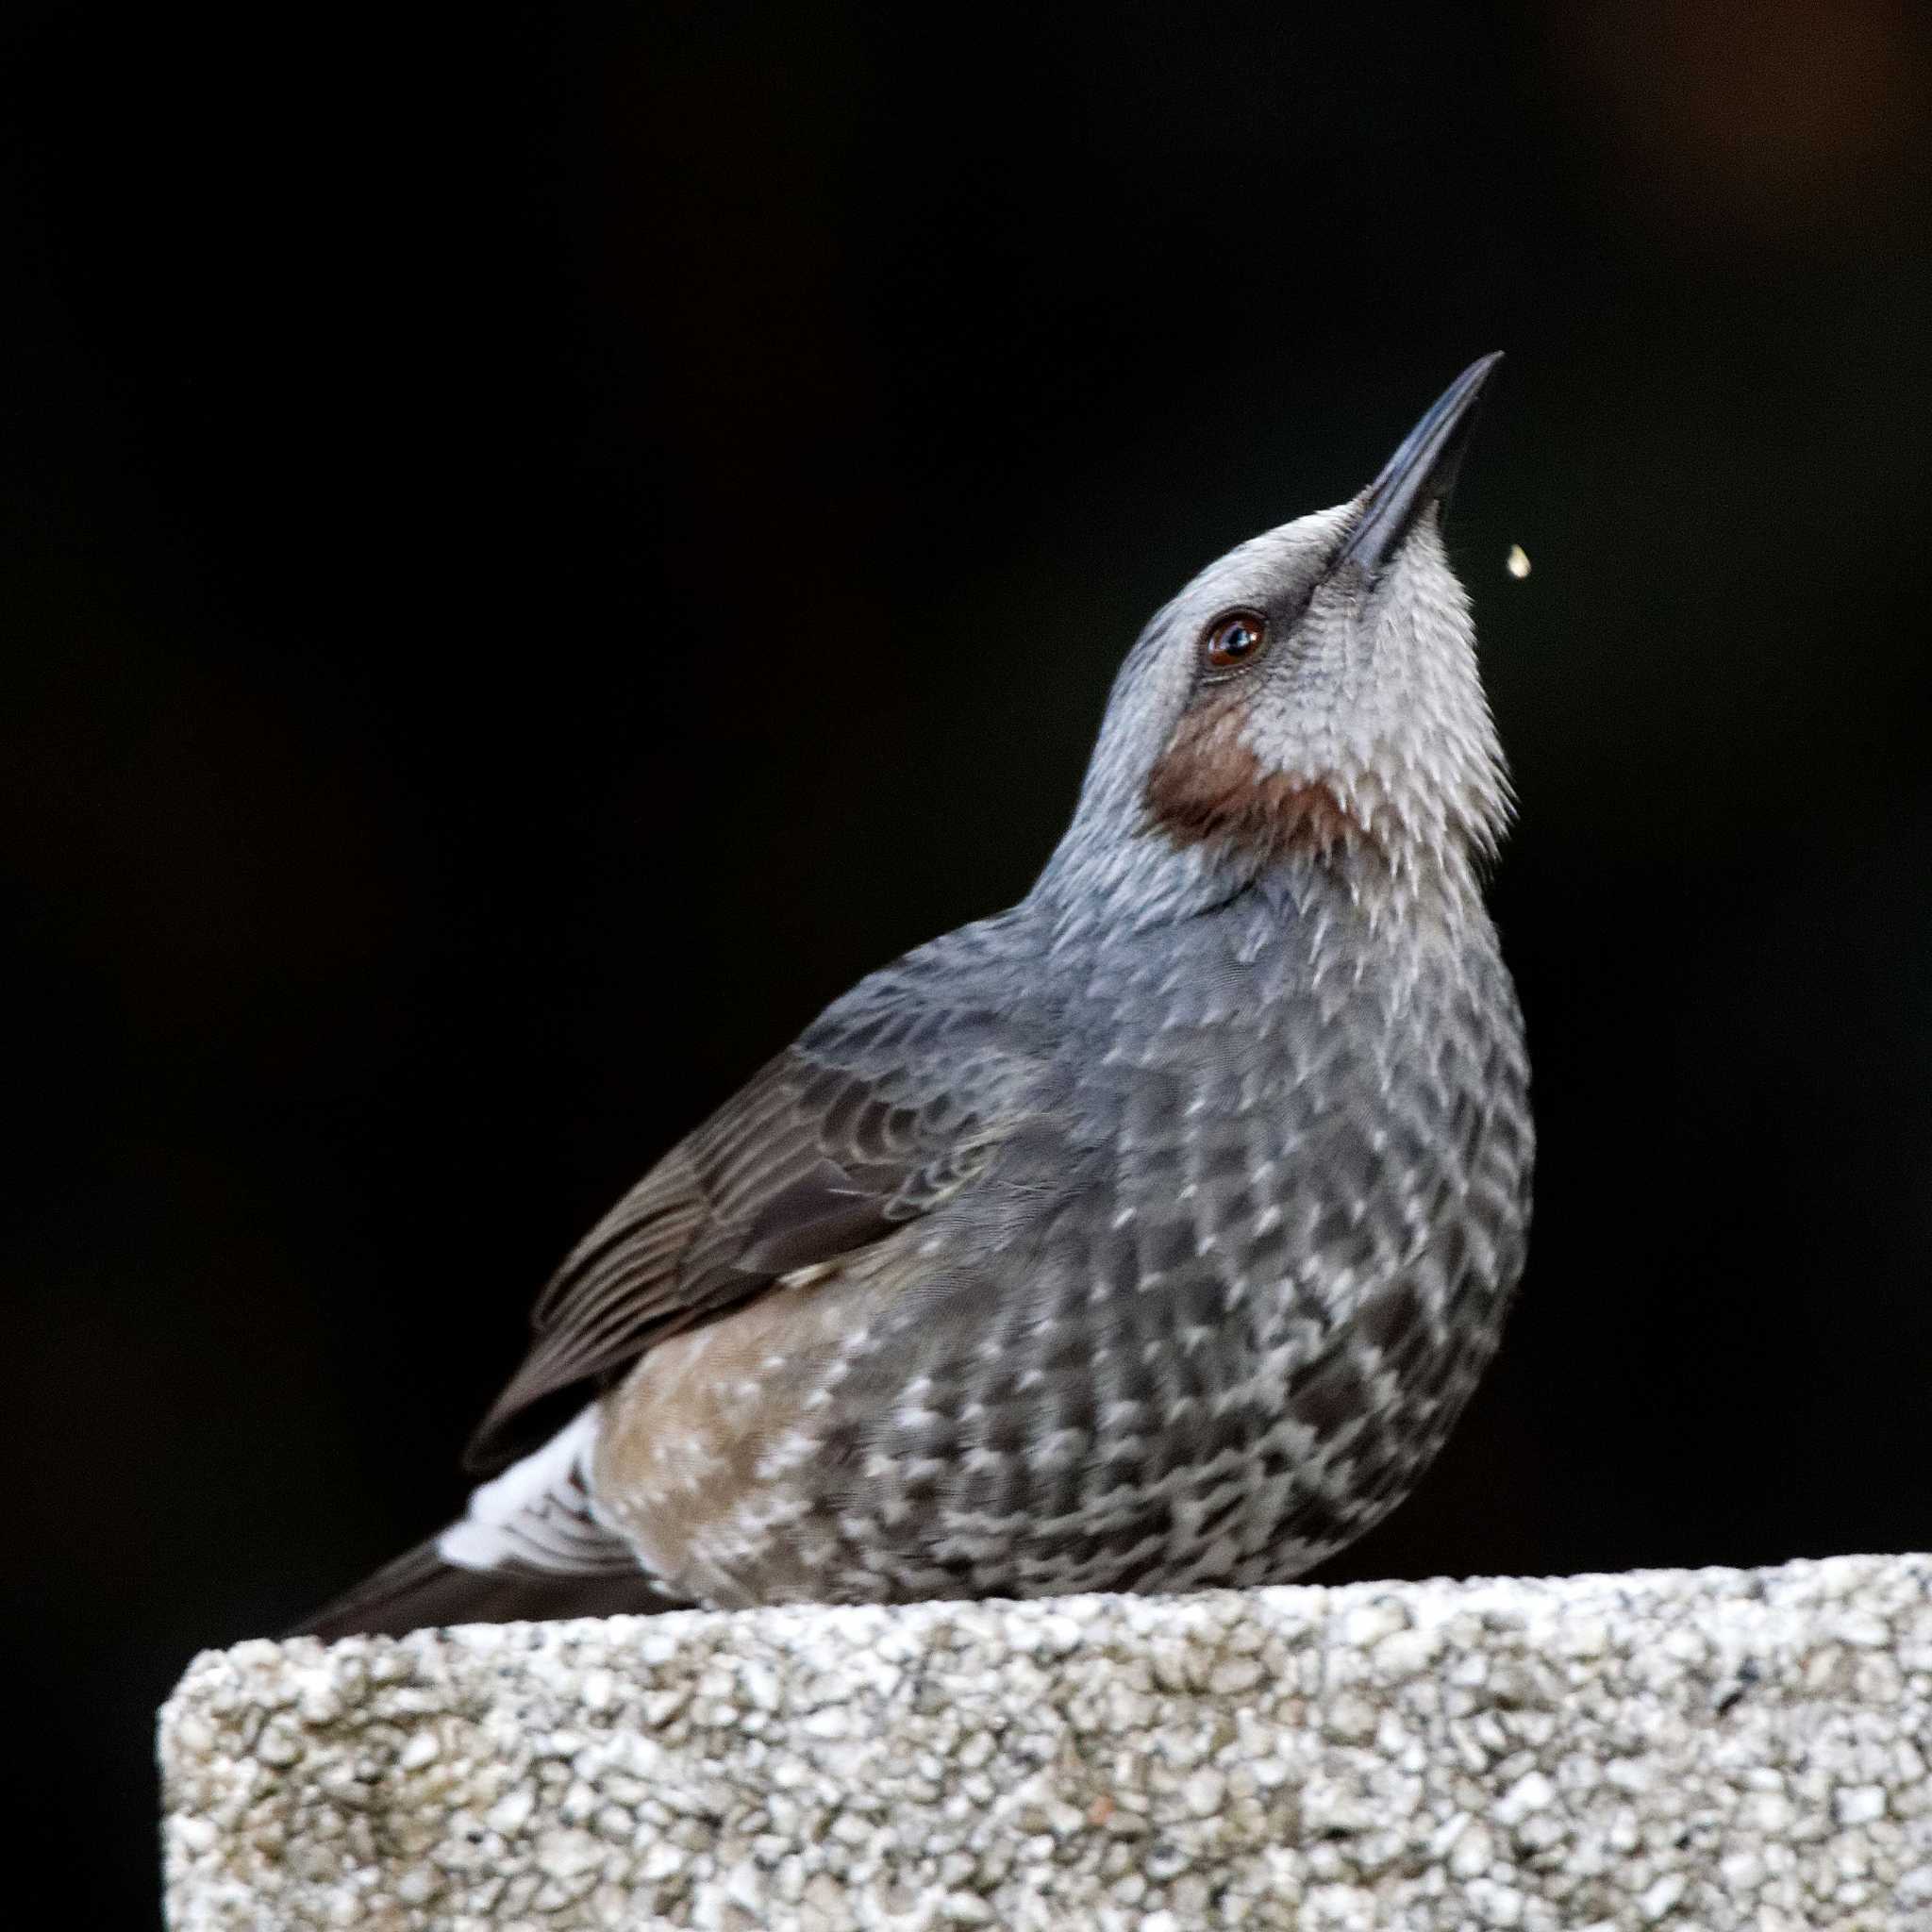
1205,1321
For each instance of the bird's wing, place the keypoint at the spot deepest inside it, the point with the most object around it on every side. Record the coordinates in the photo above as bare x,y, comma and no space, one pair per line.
882,1110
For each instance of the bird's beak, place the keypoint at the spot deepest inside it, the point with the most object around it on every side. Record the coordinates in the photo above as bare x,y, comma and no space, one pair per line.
1422,472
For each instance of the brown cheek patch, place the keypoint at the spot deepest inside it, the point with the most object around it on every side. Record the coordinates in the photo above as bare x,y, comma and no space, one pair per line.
1208,784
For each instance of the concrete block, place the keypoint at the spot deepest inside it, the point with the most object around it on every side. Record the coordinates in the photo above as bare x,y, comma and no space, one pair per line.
1706,1750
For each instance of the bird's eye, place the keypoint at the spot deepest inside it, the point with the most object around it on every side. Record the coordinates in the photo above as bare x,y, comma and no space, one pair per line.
1234,640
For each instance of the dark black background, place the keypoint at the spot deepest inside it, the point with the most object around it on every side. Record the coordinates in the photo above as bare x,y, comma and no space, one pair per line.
537,545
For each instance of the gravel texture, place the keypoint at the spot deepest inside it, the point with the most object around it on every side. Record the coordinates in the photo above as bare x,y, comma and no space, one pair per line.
1701,1750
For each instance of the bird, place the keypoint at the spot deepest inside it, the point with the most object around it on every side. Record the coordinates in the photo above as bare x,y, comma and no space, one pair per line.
1148,1236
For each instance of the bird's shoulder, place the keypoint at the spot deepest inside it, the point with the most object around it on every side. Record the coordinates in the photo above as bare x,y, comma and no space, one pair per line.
890,1102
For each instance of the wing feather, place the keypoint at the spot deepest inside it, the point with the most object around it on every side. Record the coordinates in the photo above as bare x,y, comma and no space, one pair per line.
808,1162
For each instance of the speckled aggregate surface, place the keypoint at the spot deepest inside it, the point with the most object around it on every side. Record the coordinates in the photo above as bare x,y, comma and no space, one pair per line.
1698,1751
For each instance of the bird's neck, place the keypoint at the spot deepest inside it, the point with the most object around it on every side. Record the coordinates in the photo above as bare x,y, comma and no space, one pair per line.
1358,884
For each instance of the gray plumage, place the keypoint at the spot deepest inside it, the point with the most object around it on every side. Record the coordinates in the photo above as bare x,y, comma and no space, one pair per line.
1150,1235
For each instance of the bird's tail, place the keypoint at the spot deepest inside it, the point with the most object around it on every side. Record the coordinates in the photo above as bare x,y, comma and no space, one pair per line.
531,1546
420,1589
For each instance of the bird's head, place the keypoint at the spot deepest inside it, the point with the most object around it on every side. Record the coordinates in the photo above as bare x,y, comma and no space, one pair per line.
1310,700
